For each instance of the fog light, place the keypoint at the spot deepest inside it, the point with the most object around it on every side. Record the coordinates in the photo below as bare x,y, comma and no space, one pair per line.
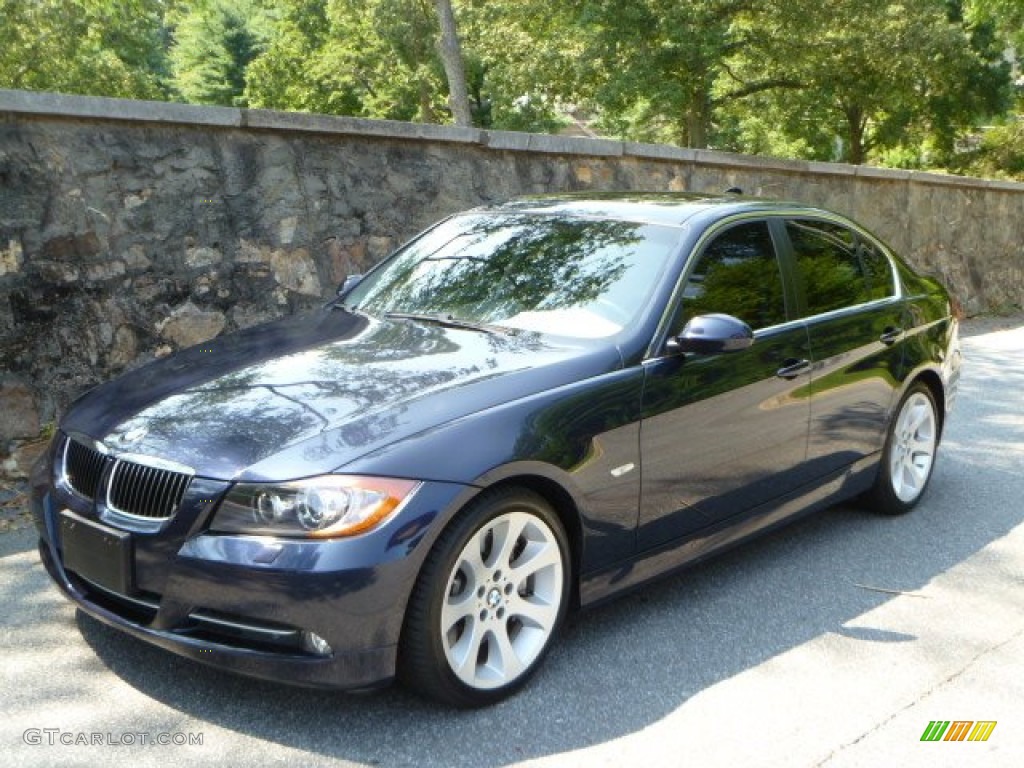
313,643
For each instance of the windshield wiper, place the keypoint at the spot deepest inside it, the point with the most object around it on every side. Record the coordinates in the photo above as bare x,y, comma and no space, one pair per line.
446,320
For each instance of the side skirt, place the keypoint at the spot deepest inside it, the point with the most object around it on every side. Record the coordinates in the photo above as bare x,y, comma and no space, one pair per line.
669,558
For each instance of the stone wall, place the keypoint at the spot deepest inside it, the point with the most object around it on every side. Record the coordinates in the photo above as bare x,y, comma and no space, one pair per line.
130,229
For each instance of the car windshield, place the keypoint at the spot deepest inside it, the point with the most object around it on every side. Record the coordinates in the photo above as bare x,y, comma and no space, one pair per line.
578,277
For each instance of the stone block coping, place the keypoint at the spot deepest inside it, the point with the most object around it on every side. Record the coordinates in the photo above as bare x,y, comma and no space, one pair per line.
69,107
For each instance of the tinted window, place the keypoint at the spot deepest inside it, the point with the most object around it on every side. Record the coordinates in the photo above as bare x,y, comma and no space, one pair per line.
836,267
738,274
563,275
877,271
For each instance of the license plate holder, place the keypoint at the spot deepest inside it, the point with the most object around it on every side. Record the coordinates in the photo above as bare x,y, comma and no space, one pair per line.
97,553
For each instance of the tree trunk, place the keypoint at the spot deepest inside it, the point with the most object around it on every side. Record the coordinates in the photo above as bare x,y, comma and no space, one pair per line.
697,122
451,56
426,102
696,130
856,152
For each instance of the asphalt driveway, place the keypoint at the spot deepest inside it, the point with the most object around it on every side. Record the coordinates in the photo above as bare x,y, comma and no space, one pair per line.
834,642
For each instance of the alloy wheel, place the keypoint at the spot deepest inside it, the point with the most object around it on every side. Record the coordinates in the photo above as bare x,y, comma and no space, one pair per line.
502,601
912,450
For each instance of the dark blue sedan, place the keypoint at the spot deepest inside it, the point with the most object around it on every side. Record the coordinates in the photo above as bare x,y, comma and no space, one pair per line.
528,408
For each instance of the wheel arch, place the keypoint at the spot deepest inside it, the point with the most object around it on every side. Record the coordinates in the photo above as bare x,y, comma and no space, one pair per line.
565,507
555,487
933,381
414,665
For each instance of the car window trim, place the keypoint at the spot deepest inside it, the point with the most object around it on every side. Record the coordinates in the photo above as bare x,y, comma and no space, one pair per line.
850,309
789,256
655,350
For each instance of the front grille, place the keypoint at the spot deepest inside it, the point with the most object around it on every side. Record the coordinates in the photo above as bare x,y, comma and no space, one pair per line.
136,489
83,468
125,486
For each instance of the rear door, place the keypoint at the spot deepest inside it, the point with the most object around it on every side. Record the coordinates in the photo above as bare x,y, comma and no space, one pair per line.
848,296
722,433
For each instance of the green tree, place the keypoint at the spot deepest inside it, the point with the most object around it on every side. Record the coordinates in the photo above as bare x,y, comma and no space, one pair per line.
847,80
659,69
214,42
1006,16
408,70
999,154
874,76
892,81
522,62
291,73
450,50
375,58
90,47
380,58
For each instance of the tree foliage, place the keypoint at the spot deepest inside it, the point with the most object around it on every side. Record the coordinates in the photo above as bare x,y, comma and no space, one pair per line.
214,43
90,47
372,58
653,65
1006,16
877,74
899,82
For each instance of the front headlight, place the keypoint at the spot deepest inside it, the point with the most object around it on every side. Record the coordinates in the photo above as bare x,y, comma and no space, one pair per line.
319,507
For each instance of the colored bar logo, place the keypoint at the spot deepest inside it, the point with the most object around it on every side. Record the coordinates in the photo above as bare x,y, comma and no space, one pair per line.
958,730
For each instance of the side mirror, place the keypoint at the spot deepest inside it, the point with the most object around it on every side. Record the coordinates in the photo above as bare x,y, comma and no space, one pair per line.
348,284
712,334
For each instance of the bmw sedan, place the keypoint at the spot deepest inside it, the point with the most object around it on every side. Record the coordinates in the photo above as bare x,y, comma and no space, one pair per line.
527,409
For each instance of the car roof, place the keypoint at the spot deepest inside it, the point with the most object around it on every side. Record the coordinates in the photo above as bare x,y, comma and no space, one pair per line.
666,208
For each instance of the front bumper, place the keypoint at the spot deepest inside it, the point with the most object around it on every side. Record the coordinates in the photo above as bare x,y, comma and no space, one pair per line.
345,670
243,603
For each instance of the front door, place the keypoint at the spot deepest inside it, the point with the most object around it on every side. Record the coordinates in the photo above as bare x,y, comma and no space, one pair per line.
726,432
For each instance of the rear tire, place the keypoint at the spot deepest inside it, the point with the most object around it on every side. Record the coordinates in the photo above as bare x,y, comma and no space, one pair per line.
491,597
909,454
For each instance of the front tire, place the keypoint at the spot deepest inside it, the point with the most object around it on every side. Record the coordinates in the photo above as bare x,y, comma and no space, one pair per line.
909,454
491,597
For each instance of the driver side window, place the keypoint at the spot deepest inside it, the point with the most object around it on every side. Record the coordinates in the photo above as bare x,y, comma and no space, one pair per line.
737,274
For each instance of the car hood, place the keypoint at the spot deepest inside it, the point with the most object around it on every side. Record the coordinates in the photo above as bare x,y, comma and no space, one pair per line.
337,385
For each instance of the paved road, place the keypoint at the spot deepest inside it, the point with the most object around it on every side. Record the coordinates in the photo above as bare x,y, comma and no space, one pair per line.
832,643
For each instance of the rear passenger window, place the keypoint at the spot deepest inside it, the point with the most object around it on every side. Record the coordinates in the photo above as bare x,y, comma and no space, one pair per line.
877,271
836,267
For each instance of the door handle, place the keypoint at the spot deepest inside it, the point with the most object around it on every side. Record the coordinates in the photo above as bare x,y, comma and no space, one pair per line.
890,335
792,368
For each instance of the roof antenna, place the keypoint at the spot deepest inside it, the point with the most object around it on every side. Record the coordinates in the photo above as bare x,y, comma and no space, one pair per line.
734,191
